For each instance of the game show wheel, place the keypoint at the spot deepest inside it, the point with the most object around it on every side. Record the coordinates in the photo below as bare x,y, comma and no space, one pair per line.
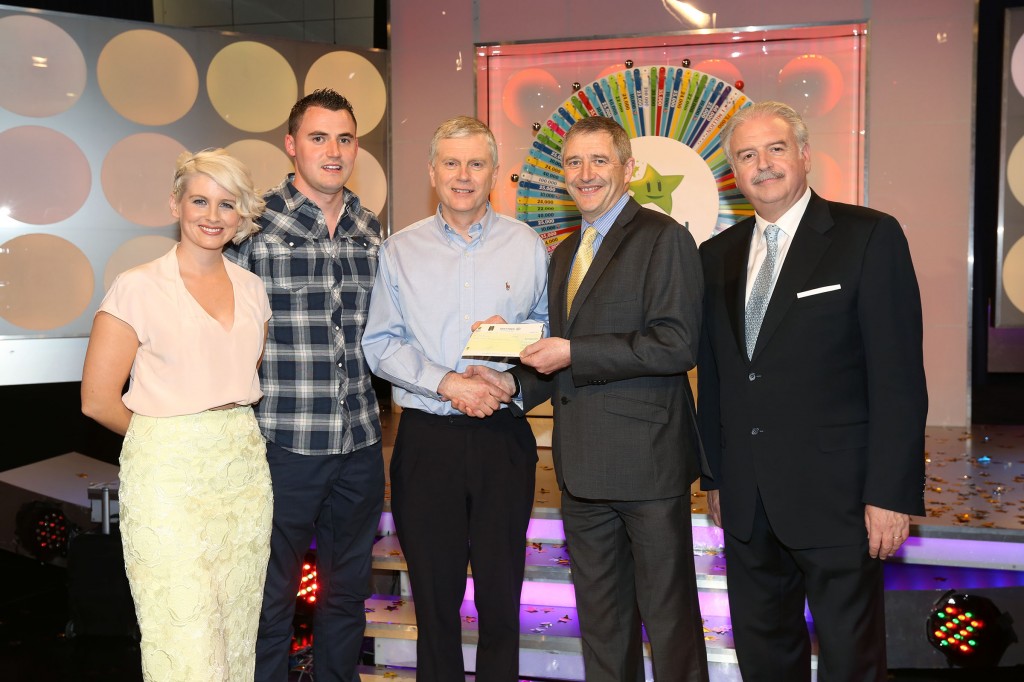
674,116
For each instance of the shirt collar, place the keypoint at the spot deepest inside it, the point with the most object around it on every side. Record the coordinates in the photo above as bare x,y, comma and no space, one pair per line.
788,221
478,231
293,198
605,222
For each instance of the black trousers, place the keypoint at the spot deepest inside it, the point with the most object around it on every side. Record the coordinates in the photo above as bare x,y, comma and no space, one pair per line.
462,491
845,592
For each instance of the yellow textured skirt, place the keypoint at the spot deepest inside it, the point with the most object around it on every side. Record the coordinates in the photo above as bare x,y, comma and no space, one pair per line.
196,509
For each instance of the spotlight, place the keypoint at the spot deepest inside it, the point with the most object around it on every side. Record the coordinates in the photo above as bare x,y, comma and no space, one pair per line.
42,529
969,630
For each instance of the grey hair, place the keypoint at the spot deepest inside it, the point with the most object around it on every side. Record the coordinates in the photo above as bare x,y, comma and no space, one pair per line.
463,126
767,109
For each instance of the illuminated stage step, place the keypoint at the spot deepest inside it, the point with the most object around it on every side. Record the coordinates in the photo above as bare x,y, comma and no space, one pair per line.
384,674
550,646
549,641
548,562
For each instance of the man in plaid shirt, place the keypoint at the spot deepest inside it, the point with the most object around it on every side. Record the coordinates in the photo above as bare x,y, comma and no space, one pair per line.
317,255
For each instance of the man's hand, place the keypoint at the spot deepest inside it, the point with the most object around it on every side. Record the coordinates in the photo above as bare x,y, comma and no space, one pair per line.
503,381
547,356
886,531
715,507
472,395
493,319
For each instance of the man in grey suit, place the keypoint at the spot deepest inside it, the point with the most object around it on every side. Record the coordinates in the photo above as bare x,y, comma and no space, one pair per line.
812,408
624,305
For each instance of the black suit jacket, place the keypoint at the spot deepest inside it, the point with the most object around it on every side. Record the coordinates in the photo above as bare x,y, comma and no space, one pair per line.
829,414
624,427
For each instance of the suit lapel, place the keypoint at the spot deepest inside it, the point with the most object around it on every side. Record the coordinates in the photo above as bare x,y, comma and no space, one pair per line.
735,279
609,245
809,245
558,280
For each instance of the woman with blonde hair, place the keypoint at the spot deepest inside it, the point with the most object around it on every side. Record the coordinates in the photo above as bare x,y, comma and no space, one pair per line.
195,495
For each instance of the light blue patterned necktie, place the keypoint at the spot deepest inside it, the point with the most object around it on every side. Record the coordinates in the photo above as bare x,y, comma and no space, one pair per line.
759,293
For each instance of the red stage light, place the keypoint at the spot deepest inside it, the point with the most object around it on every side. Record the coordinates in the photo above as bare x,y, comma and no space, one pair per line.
308,584
42,529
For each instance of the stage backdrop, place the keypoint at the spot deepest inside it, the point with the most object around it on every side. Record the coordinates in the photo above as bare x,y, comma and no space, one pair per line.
672,94
1010,256
93,114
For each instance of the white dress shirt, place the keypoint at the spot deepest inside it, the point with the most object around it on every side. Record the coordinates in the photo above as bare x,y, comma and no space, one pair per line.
787,225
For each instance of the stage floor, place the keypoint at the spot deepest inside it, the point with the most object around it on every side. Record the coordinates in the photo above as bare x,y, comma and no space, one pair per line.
974,480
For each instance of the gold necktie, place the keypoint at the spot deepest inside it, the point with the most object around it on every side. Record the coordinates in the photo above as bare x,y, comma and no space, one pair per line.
584,257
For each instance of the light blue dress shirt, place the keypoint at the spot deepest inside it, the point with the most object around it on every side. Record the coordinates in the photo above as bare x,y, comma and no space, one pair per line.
605,222
432,285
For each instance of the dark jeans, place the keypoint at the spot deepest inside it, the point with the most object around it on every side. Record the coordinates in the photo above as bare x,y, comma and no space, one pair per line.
337,499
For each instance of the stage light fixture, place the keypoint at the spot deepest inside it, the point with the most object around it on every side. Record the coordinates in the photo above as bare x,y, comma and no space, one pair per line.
969,630
308,584
43,530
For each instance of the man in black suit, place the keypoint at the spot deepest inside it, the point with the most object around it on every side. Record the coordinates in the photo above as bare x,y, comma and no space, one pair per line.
624,309
812,406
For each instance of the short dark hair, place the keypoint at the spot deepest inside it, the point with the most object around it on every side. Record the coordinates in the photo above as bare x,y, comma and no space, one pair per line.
602,124
324,98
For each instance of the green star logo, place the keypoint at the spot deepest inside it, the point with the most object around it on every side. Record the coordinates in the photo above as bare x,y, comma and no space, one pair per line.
655,188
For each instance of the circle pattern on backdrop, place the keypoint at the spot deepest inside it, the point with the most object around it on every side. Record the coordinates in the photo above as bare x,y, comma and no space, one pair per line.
529,95
684,105
268,164
48,282
609,70
812,83
357,79
44,70
1013,274
720,68
247,72
137,177
828,179
135,252
147,77
1015,171
51,179
1017,66
369,182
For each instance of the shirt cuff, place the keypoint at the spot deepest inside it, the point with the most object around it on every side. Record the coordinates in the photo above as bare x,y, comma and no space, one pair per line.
517,396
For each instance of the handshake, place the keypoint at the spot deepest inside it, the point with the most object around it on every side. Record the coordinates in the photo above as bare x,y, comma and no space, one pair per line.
479,391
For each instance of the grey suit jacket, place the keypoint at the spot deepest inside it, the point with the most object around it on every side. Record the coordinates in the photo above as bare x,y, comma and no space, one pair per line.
624,426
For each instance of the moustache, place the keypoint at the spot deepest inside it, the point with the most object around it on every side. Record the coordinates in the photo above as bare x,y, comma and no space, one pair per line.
767,174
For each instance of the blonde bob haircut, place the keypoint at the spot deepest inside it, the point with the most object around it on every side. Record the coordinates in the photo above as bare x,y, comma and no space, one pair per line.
229,173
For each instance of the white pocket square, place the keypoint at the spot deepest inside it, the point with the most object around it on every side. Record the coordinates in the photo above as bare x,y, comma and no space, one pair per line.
819,290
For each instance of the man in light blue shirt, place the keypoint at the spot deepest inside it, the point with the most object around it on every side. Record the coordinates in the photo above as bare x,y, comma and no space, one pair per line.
462,472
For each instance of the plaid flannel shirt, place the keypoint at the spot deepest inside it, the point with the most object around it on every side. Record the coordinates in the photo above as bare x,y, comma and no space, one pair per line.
318,399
